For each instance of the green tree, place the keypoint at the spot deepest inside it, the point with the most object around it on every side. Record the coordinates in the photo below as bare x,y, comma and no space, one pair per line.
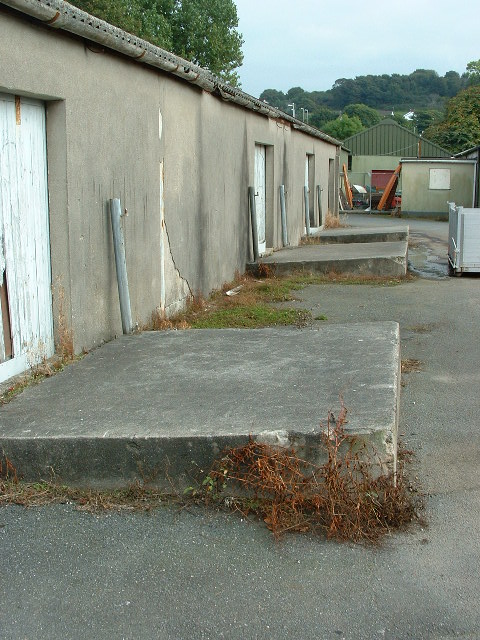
460,129
274,98
321,115
343,127
202,31
473,72
368,116
425,118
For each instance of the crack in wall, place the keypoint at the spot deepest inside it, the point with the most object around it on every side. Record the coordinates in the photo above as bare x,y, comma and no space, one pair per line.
177,289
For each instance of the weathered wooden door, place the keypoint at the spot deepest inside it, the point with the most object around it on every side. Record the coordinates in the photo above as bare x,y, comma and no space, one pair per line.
26,330
260,194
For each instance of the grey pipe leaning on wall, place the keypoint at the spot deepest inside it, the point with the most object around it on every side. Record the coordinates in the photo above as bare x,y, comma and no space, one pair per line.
121,265
284,216
253,218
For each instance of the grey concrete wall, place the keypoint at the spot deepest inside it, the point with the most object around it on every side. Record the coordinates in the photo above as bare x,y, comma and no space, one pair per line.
111,124
418,198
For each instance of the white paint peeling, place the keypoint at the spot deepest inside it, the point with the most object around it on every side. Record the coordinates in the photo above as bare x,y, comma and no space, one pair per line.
24,232
160,125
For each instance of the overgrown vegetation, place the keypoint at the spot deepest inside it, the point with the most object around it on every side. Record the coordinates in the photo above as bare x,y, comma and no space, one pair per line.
335,222
138,496
247,301
344,498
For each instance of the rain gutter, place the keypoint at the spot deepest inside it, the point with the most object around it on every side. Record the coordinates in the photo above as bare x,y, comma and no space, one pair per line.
61,15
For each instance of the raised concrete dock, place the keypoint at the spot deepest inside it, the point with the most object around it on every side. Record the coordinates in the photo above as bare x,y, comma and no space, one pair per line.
361,234
364,258
168,403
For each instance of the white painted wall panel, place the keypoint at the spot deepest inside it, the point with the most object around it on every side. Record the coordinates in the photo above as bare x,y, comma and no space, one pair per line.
260,195
25,229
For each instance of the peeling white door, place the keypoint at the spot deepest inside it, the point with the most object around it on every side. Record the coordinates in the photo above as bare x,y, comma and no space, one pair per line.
260,205
26,330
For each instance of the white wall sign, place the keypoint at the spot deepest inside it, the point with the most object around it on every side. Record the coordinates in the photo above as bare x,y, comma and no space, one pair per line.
439,179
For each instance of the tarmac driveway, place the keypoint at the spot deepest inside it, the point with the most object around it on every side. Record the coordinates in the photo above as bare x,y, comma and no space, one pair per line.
192,574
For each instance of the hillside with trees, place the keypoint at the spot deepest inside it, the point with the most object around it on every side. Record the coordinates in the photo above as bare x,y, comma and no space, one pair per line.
422,89
446,109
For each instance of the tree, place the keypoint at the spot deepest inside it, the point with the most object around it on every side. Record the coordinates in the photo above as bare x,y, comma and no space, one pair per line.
275,98
321,116
473,72
424,118
343,127
202,31
460,129
368,116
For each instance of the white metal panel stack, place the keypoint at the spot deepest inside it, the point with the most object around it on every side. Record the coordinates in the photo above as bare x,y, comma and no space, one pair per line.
463,239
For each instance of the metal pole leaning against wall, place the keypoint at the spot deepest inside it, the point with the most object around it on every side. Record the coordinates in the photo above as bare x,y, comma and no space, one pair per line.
319,201
253,218
307,210
284,216
121,265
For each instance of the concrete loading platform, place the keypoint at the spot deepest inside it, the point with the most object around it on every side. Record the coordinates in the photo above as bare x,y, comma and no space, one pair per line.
374,251
170,402
361,234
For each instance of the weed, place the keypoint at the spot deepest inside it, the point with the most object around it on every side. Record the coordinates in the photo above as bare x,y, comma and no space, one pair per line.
426,327
159,322
65,346
7,471
411,364
137,496
335,222
250,317
264,270
245,302
343,498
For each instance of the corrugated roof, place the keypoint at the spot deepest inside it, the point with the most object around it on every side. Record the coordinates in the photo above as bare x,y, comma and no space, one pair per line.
58,14
388,138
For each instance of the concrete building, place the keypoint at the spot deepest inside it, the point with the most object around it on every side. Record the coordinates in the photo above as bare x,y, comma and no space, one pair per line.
89,113
429,185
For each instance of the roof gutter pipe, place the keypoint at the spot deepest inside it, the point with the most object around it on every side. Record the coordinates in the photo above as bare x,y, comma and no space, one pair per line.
58,14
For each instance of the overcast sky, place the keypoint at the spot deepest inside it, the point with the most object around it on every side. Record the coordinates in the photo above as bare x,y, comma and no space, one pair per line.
311,43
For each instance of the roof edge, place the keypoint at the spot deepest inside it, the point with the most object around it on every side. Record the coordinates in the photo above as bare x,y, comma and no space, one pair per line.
391,121
58,14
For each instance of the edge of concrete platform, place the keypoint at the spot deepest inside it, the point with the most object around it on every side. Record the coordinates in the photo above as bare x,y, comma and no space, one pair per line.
359,235
173,462
385,266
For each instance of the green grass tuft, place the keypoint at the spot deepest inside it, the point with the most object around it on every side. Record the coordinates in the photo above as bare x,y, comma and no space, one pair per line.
249,317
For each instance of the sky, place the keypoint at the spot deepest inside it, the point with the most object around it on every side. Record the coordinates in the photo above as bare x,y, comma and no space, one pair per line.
312,43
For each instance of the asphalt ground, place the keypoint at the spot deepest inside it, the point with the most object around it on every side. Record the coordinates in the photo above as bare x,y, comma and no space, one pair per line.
190,573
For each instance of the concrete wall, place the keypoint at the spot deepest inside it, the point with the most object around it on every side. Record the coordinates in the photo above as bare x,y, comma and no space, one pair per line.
113,127
418,198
